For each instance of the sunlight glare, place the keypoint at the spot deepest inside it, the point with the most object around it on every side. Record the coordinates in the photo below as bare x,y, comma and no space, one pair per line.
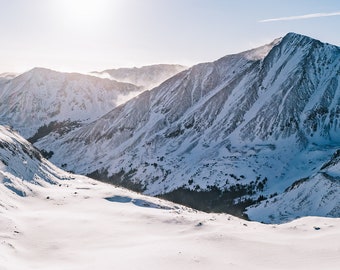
86,13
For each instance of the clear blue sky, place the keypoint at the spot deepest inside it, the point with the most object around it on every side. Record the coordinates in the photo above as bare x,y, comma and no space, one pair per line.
85,35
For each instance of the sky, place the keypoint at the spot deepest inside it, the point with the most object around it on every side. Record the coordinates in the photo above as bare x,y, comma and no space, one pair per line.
88,35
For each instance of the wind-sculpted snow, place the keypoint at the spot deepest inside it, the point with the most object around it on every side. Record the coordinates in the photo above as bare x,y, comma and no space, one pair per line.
248,125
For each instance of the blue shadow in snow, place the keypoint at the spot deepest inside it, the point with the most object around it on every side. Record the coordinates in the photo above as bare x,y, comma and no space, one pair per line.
119,199
137,202
8,184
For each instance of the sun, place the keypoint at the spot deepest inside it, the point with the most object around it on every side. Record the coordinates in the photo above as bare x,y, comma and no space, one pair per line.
85,12
84,9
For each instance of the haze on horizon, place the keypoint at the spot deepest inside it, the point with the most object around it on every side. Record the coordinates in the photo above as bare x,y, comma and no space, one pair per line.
87,35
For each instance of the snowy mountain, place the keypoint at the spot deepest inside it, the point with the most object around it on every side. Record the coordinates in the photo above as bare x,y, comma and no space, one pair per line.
50,219
223,135
50,100
146,77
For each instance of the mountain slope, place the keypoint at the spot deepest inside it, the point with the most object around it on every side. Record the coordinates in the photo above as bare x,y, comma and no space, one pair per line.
234,131
40,97
146,77
22,167
317,195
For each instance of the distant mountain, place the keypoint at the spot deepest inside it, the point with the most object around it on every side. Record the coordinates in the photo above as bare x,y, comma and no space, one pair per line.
146,77
223,135
42,100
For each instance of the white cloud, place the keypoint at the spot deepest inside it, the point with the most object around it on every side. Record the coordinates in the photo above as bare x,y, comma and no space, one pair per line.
302,17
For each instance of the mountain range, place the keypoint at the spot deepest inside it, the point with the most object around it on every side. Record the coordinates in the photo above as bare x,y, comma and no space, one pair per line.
255,134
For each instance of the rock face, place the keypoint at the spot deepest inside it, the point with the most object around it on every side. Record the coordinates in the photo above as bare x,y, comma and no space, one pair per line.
51,100
231,133
146,77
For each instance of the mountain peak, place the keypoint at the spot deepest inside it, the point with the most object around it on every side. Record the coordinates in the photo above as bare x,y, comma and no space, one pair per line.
294,38
39,73
295,35
41,70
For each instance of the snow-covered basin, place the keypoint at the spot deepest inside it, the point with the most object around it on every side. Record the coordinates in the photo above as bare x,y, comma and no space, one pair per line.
84,224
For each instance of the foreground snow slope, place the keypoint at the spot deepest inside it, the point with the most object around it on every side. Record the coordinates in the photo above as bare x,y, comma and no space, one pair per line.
55,220
78,229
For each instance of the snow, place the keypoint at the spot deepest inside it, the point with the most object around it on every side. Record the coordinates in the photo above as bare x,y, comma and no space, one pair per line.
55,96
261,52
77,228
66,221
317,196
